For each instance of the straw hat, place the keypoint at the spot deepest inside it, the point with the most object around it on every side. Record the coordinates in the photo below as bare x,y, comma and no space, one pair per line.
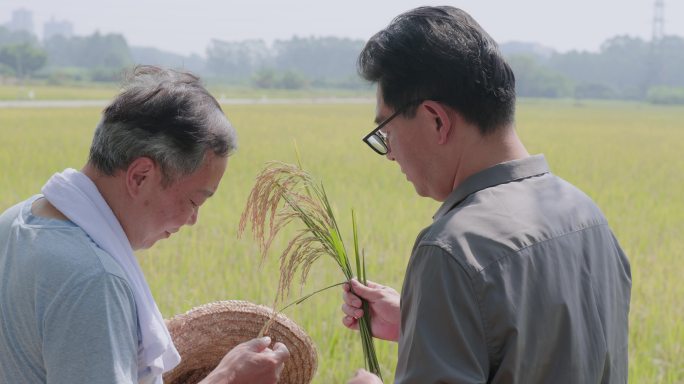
205,334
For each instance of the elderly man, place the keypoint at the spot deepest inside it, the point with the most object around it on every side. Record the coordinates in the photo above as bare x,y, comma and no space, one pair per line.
74,304
519,278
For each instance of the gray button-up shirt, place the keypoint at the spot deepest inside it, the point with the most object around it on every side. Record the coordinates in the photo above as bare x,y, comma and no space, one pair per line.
519,279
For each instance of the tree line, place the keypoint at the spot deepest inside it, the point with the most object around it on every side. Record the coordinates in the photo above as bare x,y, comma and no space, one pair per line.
623,68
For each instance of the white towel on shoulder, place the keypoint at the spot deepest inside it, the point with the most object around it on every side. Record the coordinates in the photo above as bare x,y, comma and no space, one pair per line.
77,197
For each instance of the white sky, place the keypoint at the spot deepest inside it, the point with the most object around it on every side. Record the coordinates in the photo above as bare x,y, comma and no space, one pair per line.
185,26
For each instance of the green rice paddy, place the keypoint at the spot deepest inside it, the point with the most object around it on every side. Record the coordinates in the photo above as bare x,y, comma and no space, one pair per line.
627,156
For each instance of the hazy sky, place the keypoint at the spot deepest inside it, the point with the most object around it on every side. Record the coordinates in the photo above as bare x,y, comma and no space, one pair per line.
185,26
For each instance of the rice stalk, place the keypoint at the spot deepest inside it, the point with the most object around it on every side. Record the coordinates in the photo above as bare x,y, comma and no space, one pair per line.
284,193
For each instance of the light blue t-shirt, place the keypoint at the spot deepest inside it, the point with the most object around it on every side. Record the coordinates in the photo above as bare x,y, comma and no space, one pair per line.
67,312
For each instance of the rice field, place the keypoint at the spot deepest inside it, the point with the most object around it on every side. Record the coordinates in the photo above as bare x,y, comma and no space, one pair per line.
627,156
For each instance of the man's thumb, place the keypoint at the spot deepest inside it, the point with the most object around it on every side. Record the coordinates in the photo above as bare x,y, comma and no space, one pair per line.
258,344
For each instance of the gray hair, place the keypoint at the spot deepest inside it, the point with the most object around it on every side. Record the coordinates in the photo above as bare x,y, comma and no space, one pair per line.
165,115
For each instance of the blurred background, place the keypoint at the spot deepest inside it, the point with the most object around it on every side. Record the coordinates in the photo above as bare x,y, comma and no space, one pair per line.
601,94
578,49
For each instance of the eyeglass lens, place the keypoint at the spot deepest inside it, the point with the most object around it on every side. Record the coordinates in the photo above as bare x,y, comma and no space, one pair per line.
377,143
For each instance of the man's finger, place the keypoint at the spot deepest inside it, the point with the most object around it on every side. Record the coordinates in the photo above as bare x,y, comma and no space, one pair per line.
281,352
369,283
350,322
352,311
258,344
351,299
364,292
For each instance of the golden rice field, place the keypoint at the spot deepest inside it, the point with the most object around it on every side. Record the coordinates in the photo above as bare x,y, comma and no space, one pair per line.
629,157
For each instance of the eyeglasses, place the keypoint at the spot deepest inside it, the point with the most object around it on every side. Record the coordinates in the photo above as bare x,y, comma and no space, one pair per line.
377,139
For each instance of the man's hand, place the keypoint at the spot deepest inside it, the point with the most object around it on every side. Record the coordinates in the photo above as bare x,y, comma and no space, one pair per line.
364,377
250,362
384,308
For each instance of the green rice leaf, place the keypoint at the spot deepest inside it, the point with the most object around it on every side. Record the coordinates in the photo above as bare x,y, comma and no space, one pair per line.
356,245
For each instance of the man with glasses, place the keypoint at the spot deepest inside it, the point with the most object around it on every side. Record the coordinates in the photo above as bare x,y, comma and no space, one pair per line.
519,278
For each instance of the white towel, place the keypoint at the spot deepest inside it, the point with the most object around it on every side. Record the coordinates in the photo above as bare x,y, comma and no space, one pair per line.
77,197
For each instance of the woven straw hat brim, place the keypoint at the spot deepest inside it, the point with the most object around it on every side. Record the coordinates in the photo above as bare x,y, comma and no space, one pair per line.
205,334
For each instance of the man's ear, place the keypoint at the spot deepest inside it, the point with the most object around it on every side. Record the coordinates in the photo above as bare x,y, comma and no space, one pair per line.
442,120
141,173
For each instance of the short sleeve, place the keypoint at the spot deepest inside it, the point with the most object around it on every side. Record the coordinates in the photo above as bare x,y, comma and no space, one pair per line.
90,333
442,334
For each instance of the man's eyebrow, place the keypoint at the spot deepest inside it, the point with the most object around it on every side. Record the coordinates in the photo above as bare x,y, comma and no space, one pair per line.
378,119
207,192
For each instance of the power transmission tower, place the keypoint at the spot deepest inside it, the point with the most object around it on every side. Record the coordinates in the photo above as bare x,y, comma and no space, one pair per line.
655,57
658,20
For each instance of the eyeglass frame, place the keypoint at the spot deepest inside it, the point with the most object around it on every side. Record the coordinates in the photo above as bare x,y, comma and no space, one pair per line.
381,136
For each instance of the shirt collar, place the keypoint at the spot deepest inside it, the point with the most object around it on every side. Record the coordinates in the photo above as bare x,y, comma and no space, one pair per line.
499,174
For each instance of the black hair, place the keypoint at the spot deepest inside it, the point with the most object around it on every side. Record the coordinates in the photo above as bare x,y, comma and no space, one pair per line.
441,54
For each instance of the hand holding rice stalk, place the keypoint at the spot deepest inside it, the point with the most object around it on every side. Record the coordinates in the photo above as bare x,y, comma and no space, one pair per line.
305,200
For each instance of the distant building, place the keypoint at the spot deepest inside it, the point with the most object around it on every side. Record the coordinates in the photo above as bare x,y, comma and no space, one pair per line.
53,28
22,20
